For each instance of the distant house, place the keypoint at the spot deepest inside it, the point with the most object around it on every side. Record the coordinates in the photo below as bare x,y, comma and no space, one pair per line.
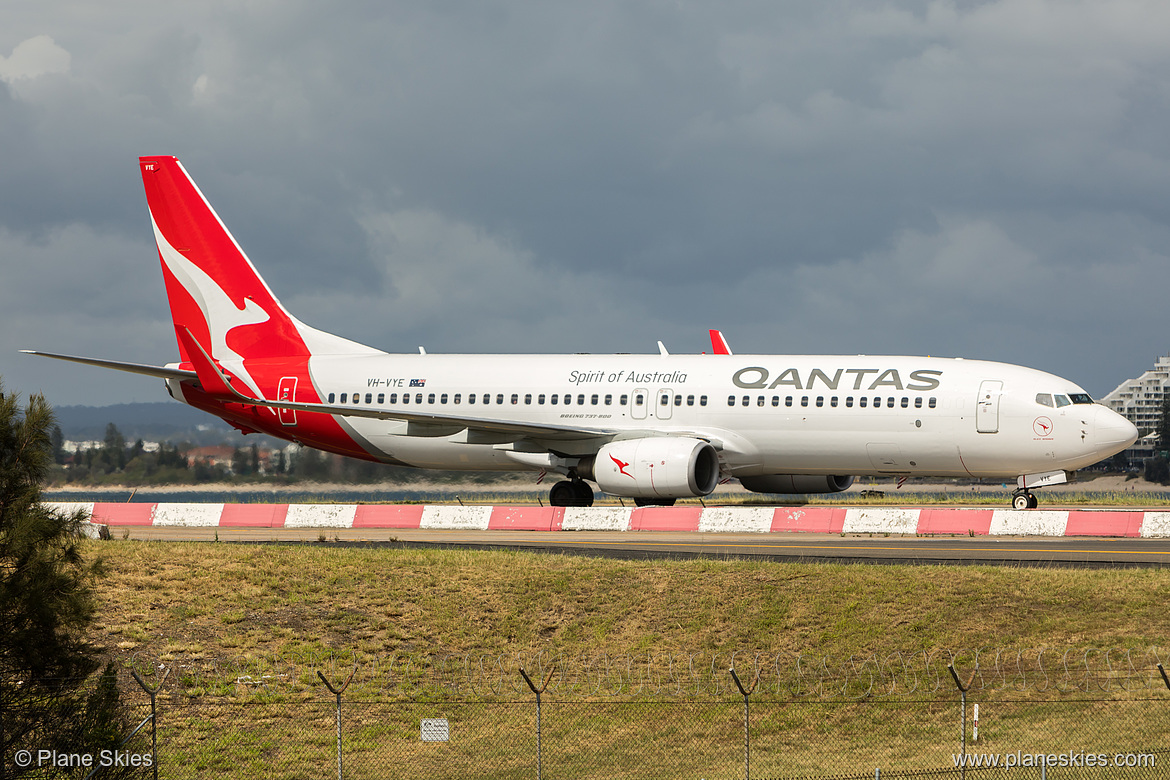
1140,401
219,455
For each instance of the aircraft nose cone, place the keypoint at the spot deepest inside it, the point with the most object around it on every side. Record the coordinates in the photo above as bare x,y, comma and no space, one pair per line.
1114,432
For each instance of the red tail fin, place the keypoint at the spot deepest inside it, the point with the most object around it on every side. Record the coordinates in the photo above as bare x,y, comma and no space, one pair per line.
214,291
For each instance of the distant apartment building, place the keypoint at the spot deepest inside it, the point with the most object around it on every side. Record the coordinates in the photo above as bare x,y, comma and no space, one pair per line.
1140,401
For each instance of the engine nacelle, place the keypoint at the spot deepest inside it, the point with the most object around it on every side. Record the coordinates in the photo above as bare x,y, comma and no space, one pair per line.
795,483
658,467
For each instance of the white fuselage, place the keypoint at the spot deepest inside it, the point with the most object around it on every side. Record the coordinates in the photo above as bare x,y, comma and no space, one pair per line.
768,414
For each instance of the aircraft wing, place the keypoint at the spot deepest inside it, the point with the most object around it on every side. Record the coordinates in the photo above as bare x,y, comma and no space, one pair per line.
163,372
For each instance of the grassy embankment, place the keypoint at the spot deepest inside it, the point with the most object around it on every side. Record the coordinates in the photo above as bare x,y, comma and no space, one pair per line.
193,605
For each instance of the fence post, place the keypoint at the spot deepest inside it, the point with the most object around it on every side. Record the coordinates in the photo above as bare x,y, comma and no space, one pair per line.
963,699
747,735
153,693
337,693
1162,671
538,691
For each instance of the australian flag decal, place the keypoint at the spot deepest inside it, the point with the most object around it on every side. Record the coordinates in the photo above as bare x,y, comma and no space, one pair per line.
418,383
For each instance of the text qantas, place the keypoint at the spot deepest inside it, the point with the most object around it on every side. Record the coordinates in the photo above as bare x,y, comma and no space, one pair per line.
756,378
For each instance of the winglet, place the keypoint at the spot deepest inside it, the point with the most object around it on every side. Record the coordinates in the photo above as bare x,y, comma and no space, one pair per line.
214,381
719,344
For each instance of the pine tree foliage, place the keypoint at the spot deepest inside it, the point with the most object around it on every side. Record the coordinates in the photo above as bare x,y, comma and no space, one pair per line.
49,696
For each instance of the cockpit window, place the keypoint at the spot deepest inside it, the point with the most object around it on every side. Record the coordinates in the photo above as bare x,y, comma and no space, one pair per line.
1062,400
1044,399
1081,398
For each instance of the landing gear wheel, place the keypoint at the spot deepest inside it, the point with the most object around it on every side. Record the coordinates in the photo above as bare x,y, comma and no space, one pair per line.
1024,500
584,493
653,502
571,493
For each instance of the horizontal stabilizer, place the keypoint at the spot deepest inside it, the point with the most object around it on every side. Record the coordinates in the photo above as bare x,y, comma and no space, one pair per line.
162,372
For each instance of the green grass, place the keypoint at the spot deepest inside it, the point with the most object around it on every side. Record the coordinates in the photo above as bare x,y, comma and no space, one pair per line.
247,627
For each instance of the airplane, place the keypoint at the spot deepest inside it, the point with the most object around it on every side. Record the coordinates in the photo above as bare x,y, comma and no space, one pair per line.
653,428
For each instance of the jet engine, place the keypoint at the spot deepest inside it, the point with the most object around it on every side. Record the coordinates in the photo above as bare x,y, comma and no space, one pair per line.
795,483
658,467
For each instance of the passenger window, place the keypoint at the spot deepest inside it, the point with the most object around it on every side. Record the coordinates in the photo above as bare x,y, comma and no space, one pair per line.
443,398
862,401
932,403
369,398
528,399
458,397
905,402
1044,399
690,400
890,402
760,401
471,398
515,398
487,398
405,398
608,399
804,400
731,400
702,400
553,399
849,401
540,400
745,401
499,398
581,400
918,402
820,401
788,401
639,399
677,400
331,398
394,398
344,396
1062,400
833,401
381,398
568,399
775,400
663,401
593,400
430,398
625,399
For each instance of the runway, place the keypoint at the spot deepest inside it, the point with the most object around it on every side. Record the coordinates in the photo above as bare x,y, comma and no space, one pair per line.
1079,552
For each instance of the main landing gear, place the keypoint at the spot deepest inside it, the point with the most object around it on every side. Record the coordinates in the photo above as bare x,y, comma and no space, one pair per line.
1024,499
571,492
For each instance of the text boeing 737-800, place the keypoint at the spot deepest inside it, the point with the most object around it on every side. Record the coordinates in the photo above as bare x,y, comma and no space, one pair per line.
654,428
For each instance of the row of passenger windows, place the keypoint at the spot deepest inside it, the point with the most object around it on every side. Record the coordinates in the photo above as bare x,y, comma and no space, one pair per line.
862,402
553,399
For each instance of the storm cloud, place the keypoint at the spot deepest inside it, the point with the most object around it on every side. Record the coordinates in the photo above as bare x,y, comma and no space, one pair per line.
981,179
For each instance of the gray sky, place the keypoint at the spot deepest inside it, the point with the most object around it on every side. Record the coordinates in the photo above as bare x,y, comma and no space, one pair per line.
988,180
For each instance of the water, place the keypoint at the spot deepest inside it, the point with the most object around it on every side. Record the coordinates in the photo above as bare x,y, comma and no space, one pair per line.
262,496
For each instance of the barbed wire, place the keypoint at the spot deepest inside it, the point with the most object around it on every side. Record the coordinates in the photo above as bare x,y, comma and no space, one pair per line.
1104,672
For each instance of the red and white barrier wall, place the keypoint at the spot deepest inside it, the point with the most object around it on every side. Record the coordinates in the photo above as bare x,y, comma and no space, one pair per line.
832,520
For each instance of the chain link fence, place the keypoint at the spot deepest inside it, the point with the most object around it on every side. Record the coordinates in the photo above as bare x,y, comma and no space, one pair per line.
1024,714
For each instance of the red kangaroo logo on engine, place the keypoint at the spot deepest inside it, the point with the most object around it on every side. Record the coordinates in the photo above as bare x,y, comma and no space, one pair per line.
621,466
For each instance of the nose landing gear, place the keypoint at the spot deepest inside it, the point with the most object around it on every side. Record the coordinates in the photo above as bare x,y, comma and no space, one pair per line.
1024,499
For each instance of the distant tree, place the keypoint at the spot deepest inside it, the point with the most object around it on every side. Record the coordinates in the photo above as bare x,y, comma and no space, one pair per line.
58,441
255,463
1163,428
46,605
241,462
1157,470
